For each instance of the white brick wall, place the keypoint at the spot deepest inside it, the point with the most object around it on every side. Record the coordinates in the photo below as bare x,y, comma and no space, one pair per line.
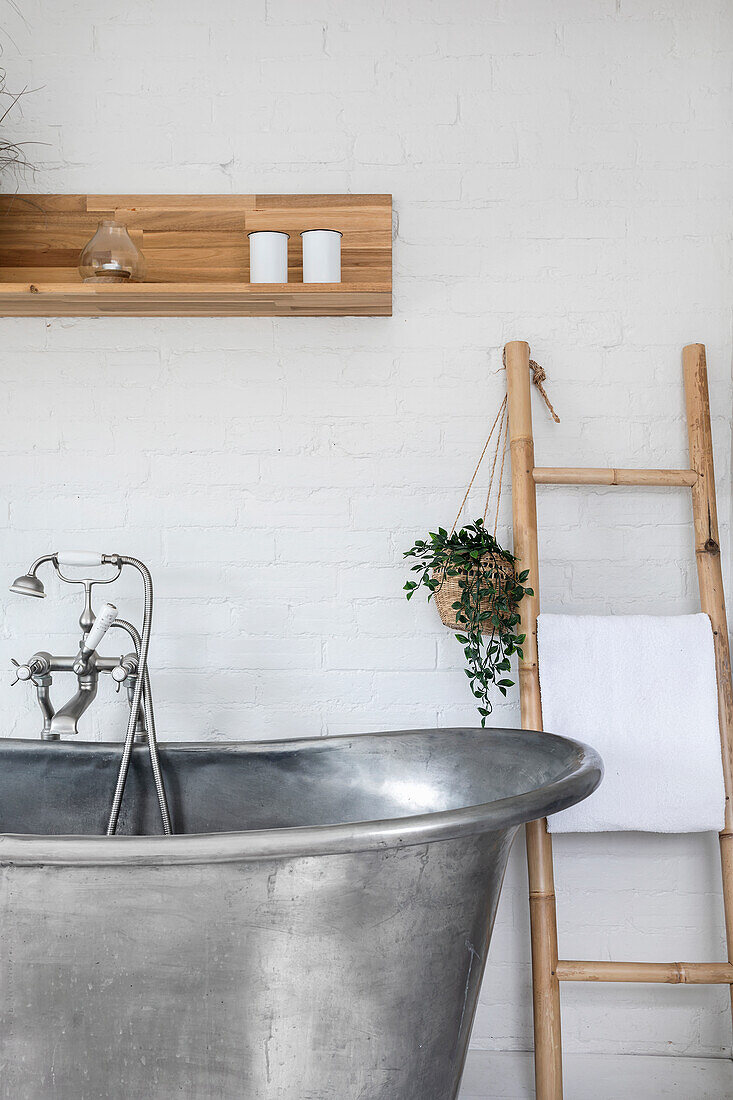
561,172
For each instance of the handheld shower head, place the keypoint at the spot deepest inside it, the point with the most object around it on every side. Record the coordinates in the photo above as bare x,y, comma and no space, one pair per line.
28,585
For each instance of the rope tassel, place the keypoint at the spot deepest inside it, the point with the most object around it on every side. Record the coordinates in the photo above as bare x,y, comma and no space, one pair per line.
538,377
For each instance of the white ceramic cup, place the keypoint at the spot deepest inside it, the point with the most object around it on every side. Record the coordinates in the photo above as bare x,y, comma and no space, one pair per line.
321,256
268,257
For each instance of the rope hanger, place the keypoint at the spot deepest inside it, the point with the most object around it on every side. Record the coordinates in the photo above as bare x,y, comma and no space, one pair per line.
539,377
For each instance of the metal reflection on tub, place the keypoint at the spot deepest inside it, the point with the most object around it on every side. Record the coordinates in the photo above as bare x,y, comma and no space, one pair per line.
321,256
111,256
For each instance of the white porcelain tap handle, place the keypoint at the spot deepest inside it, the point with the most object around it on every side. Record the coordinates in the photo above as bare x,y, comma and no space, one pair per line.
79,557
22,672
37,666
105,617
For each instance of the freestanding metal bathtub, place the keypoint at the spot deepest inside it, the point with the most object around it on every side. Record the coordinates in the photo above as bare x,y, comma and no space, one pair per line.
318,932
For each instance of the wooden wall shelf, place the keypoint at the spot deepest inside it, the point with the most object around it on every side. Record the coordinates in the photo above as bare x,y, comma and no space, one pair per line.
196,253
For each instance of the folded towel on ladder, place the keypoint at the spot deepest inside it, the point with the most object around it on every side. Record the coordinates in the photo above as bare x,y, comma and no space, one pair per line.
641,689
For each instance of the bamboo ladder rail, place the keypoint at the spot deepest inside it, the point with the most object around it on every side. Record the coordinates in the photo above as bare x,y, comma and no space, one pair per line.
547,970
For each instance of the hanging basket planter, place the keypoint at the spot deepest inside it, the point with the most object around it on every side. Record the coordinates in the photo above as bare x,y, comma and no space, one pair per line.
495,571
473,579
477,591
474,582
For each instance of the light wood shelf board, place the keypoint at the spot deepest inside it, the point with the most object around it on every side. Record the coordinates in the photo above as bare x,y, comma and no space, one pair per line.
196,252
194,300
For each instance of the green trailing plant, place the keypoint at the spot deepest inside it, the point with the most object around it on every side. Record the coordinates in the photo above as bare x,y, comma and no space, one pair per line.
12,153
13,159
470,565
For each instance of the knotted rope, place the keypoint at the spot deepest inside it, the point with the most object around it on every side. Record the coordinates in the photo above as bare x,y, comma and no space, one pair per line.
538,377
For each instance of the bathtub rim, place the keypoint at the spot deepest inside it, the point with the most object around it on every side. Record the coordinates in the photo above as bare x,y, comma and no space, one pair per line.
32,849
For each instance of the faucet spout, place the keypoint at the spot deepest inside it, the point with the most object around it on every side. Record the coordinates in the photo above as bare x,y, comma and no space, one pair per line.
65,721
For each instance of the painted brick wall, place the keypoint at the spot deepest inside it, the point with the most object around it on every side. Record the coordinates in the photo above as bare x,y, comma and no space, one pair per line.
561,173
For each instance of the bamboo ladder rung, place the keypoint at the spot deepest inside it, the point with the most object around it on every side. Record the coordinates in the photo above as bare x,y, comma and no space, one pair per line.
669,973
580,475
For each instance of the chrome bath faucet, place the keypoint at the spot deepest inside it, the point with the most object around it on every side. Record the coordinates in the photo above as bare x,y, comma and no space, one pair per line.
86,664
130,669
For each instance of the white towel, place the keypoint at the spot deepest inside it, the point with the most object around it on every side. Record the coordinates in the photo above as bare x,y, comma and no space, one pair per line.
640,689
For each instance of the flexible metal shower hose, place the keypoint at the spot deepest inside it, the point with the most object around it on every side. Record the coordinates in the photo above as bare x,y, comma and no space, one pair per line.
149,711
142,693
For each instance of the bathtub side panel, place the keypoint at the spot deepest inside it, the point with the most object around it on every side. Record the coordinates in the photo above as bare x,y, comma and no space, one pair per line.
316,978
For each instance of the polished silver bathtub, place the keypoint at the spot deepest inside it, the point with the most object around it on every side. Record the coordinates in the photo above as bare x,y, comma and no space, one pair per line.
318,929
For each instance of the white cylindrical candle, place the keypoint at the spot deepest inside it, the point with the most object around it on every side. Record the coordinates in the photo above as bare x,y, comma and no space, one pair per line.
321,256
268,257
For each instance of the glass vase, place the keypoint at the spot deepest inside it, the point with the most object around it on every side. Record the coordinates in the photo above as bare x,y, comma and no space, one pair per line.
111,257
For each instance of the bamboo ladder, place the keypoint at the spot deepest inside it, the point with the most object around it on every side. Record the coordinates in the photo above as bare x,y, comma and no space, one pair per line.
547,970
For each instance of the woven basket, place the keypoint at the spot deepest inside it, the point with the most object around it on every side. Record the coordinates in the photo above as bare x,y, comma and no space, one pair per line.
450,593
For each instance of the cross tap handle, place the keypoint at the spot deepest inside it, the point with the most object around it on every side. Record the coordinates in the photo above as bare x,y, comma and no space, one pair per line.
22,672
